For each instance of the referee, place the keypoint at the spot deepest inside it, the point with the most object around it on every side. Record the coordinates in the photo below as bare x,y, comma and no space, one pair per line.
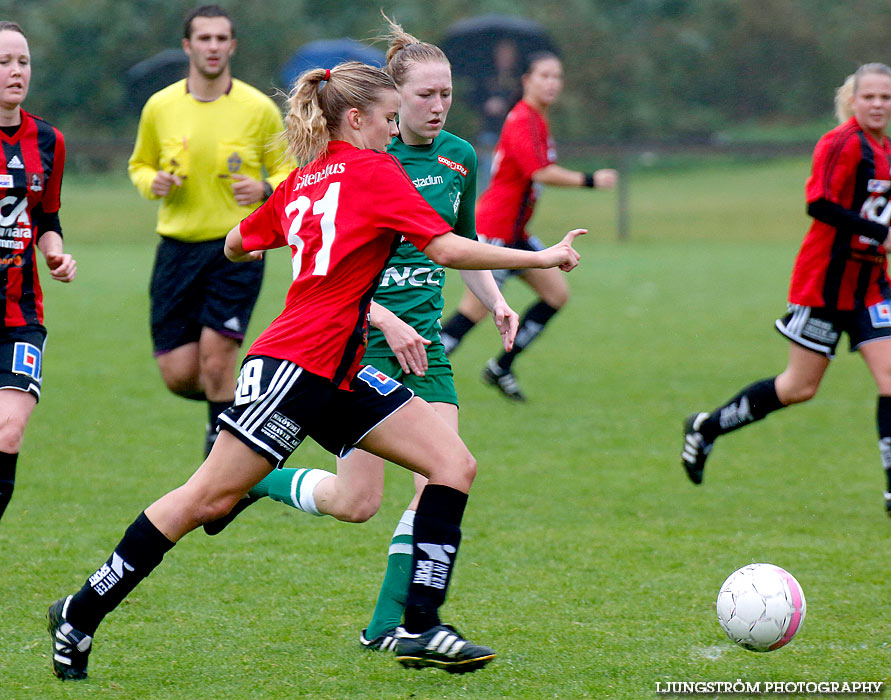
202,147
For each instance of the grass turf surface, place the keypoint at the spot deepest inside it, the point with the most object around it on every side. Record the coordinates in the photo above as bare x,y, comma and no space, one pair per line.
588,562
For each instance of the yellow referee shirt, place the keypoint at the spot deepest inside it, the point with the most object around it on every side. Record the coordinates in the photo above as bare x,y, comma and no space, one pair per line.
205,143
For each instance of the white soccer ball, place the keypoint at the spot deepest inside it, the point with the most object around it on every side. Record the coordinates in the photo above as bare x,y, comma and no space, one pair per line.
761,607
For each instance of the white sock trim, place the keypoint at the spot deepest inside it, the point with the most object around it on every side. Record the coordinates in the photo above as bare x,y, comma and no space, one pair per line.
406,524
307,479
400,549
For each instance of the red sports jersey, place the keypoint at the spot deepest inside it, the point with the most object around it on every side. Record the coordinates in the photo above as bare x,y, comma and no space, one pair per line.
341,215
525,145
31,166
836,268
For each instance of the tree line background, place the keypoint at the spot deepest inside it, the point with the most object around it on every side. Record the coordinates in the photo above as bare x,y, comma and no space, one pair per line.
665,71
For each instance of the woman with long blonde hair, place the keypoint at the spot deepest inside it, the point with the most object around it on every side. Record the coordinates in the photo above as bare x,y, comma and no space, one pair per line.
341,214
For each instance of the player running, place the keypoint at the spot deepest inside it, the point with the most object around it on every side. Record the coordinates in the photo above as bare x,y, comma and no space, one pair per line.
839,282
524,161
342,215
30,184
406,310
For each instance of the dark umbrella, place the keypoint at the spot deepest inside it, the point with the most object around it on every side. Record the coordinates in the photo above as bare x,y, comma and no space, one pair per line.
148,76
327,53
469,43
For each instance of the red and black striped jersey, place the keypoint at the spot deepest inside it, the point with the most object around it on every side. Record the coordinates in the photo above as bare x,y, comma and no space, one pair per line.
841,263
31,164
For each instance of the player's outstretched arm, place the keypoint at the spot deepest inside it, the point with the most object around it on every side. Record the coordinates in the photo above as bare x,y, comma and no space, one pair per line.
450,250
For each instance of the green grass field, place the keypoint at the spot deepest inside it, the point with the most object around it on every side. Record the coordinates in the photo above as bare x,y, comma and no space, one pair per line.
588,561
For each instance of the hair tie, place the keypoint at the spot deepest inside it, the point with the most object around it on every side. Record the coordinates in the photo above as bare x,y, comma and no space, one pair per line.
327,74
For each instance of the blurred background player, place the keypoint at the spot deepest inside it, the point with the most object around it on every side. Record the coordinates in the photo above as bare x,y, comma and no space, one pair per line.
839,281
30,184
342,215
405,313
201,147
525,159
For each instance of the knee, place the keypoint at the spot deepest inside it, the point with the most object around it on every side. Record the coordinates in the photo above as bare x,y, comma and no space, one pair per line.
214,509
470,469
217,370
797,393
462,472
558,298
12,431
359,509
181,383
186,387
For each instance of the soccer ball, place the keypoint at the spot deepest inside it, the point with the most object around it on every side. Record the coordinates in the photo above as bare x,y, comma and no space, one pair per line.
761,607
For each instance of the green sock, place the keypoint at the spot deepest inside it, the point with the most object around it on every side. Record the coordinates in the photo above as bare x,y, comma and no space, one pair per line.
293,487
394,590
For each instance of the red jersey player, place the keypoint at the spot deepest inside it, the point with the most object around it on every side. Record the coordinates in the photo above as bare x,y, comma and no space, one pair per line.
33,157
341,215
839,282
524,161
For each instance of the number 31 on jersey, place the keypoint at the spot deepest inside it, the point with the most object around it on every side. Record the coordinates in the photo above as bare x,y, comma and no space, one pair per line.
327,208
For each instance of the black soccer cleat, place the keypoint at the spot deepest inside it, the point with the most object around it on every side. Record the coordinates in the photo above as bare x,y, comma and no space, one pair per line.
440,647
71,648
504,381
215,527
888,503
696,447
385,642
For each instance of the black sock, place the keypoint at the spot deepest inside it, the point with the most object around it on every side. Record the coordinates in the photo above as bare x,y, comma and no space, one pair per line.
883,420
137,554
215,408
751,404
531,325
437,534
454,330
7,478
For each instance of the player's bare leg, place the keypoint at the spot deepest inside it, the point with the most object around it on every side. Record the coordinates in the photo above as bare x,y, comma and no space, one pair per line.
15,412
230,470
180,371
217,361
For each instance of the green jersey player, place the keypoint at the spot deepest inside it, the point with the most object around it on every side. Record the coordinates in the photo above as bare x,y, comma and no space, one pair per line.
444,171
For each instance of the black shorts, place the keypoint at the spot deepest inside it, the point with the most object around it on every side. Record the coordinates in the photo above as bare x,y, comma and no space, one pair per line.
820,329
277,404
195,286
21,358
530,243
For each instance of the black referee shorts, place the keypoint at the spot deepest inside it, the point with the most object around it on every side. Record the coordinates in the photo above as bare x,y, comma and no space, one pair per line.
195,286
